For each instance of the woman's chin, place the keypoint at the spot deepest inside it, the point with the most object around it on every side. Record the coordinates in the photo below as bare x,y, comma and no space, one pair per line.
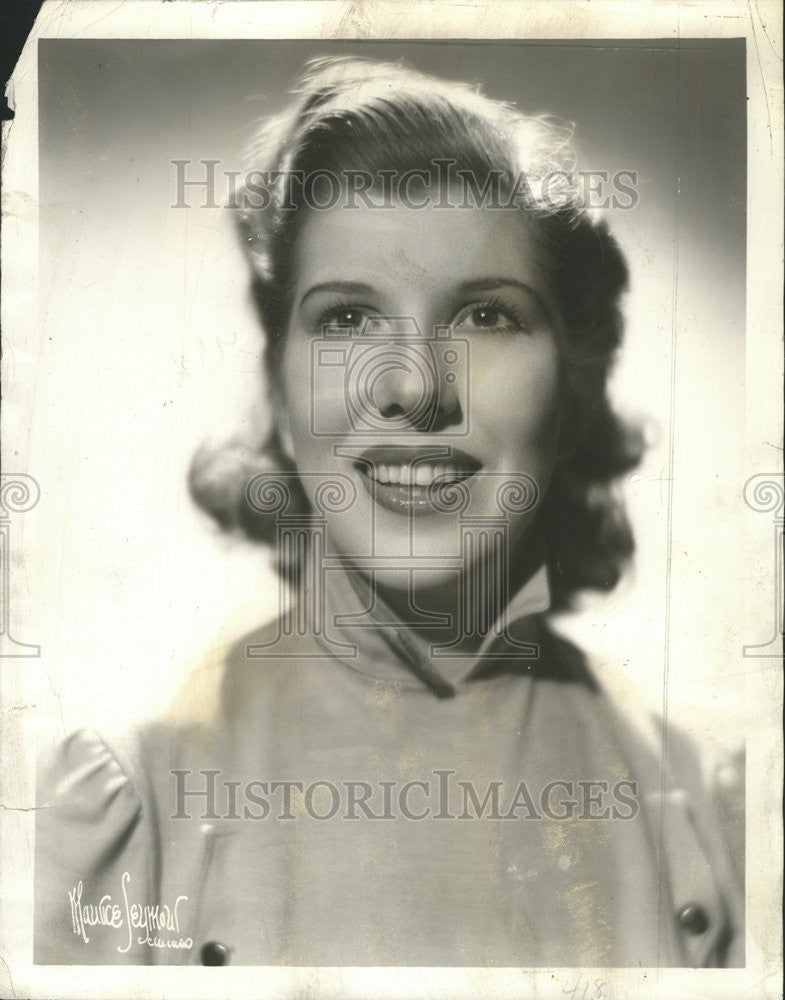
418,582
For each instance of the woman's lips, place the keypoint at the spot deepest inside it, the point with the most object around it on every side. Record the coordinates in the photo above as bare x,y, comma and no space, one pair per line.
421,474
406,480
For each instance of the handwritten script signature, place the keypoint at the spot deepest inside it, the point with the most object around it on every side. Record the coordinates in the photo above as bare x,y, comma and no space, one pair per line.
157,926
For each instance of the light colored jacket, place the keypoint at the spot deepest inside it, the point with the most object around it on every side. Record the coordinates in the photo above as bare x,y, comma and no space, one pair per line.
135,863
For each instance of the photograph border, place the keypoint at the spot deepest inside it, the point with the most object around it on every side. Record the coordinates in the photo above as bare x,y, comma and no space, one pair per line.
24,681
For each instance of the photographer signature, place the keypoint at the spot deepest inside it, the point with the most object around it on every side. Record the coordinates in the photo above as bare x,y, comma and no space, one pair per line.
159,924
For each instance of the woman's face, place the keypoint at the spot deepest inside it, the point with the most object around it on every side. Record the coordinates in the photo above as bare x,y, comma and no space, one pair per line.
421,353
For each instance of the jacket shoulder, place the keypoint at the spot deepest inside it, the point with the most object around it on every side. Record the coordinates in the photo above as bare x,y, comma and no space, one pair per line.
93,831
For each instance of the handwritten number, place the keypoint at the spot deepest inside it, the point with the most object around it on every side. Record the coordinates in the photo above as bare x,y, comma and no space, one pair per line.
598,993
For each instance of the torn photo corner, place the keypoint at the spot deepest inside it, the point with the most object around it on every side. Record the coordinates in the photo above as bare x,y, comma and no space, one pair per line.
391,513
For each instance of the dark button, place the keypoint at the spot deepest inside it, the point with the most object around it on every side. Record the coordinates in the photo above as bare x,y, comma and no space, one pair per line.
215,953
693,918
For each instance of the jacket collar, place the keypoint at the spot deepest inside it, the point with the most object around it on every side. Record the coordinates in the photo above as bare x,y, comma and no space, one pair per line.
368,636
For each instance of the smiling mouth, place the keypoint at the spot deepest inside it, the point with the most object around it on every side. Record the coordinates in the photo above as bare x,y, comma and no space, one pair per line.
403,479
421,474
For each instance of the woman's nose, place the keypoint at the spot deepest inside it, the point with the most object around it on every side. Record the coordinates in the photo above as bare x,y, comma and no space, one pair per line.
415,387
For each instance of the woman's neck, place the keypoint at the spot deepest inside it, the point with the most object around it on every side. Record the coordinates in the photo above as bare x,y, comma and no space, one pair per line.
465,608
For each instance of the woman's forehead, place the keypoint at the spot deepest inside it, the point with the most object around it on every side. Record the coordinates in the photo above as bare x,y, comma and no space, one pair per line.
429,245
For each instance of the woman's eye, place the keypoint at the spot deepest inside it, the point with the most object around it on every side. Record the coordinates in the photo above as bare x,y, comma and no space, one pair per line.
354,318
491,317
485,316
345,317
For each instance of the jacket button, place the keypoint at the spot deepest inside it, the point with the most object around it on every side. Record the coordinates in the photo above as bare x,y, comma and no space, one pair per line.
215,953
693,918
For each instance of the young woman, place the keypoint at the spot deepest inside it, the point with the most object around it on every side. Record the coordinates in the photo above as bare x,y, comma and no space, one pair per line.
409,767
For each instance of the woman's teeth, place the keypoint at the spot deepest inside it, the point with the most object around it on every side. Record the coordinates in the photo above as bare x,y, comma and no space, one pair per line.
422,474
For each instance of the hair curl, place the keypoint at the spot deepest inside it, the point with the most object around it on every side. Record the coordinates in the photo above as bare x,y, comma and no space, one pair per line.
357,114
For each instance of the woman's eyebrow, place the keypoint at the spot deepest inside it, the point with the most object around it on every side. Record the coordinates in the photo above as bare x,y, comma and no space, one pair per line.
464,288
490,283
483,284
347,287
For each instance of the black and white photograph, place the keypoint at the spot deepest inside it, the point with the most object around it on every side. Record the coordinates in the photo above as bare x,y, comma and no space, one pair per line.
392,502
